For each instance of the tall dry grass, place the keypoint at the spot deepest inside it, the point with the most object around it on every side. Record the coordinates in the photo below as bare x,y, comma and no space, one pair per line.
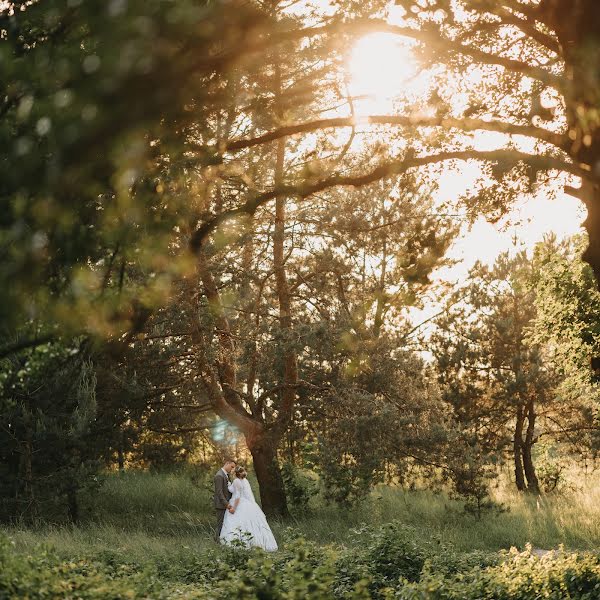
141,514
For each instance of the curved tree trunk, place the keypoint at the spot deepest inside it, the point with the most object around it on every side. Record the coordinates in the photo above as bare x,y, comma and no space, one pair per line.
262,415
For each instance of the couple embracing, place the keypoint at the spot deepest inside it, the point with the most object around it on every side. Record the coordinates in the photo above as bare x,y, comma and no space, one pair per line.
239,517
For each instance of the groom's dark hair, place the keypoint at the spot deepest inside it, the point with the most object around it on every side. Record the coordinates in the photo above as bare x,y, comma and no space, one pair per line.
230,460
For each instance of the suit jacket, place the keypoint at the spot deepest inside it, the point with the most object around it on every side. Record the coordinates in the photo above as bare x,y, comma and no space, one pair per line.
222,493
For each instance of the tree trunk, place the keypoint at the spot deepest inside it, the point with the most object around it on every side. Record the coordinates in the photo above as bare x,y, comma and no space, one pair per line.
518,450
591,199
121,459
290,365
380,293
72,504
577,27
533,485
268,473
27,469
120,453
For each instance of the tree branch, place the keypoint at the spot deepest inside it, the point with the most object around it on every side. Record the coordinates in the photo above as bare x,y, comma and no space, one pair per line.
539,133
387,169
25,344
528,28
434,40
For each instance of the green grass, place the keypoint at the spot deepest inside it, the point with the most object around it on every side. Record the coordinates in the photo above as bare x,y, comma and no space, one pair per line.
141,514
572,520
159,526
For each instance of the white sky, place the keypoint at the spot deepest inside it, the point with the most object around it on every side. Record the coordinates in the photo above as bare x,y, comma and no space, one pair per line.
381,67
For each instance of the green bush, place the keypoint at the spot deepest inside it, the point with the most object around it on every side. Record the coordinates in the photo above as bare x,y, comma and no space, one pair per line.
45,576
382,557
450,562
518,577
299,487
304,572
390,563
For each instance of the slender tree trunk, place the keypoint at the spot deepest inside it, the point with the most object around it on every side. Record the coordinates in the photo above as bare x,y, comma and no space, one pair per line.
27,467
120,453
533,485
73,504
518,450
381,299
273,498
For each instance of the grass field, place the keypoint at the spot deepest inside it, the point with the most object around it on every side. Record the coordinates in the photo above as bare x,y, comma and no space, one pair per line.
149,535
144,514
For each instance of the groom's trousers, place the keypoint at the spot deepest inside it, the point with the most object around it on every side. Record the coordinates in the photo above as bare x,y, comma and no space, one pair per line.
220,518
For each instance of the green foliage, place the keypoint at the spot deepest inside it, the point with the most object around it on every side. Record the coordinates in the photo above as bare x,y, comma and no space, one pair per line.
415,543
47,442
471,472
551,468
448,562
97,96
396,551
518,576
567,322
387,555
380,420
502,367
299,487
387,568
43,575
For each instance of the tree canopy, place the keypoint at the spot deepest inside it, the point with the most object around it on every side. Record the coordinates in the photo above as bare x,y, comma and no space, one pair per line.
193,188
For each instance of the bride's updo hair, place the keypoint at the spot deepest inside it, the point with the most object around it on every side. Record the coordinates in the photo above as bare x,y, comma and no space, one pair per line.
240,472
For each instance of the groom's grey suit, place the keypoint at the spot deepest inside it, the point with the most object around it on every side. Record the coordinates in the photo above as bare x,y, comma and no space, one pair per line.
222,497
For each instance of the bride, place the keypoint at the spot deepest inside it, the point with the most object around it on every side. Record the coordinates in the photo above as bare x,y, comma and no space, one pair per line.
245,521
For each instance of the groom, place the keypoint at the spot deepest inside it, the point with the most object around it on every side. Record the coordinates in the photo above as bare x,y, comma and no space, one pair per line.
222,493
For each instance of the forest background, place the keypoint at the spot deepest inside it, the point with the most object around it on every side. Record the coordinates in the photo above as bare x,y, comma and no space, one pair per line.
231,228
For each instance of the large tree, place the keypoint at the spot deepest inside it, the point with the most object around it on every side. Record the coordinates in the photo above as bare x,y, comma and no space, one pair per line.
164,132
524,69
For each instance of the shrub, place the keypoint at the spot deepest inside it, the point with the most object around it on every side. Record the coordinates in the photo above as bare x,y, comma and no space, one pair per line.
299,487
45,576
518,577
382,557
449,562
390,563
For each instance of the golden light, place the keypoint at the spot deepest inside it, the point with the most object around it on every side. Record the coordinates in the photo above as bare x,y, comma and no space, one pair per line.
384,77
381,67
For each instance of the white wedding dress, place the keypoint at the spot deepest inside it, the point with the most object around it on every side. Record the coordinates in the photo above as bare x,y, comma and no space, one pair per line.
248,524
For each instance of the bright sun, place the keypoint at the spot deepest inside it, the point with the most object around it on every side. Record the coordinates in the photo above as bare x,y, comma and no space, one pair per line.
381,67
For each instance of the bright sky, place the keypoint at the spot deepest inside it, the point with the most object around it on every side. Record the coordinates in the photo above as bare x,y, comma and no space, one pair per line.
381,67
